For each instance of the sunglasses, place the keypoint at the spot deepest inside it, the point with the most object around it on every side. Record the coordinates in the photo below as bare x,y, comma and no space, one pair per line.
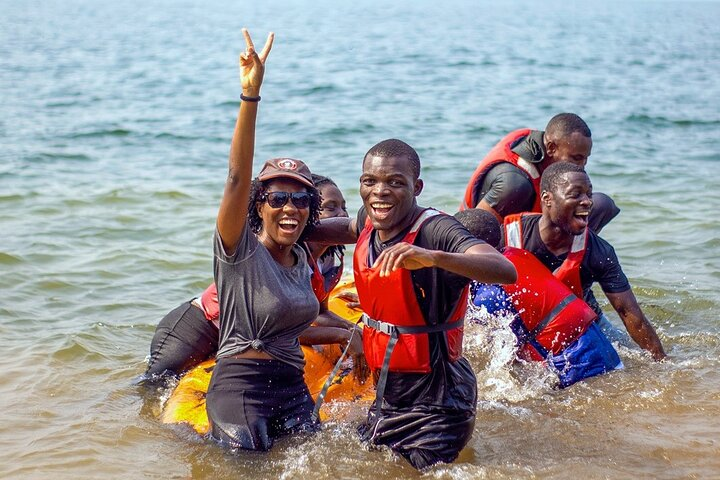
279,199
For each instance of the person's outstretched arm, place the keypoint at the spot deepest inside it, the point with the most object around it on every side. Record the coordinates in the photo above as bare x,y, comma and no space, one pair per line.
479,262
334,231
314,335
232,215
639,328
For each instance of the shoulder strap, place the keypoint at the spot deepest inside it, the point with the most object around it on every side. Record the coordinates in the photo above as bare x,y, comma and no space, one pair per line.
513,231
424,216
528,168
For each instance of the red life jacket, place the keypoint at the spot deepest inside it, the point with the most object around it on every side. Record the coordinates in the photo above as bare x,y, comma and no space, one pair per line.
569,271
553,316
209,303
397,339
318,280
502,153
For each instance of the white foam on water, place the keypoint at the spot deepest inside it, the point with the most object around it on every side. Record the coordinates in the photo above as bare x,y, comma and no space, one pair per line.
492,349
457,472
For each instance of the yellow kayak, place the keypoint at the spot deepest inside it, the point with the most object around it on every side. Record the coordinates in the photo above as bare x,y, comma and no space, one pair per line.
187,402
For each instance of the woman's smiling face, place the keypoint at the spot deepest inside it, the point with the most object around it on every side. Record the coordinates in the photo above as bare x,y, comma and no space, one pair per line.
282,226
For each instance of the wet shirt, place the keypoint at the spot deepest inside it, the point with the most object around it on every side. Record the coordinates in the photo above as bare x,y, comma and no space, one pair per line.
600,263
263,304
437,292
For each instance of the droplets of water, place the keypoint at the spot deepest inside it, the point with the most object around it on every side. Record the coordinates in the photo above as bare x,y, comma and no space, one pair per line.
491,347
650,394
458,472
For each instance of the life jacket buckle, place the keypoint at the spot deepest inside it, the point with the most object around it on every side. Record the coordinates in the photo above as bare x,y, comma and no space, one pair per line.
384,327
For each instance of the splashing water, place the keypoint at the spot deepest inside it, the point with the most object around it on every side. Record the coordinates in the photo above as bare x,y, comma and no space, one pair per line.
491,347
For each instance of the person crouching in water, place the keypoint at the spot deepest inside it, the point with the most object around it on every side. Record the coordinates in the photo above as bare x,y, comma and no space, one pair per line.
549,322
559,238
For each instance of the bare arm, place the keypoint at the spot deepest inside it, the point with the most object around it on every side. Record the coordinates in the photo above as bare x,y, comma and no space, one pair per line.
232,215
479,262
639,328
314,335
335,231
326,318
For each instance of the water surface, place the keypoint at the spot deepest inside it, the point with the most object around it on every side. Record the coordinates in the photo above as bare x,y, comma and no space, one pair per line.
115,131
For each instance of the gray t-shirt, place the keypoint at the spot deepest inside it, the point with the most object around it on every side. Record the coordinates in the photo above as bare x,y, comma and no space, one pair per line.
263,304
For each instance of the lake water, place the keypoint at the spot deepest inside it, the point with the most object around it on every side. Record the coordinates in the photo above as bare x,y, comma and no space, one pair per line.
116,125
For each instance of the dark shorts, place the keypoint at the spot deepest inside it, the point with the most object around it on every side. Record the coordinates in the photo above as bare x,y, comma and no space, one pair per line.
423,435
183,339
252,402
436,426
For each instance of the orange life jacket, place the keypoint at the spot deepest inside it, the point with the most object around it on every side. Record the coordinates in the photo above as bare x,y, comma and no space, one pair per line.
502,153
209,303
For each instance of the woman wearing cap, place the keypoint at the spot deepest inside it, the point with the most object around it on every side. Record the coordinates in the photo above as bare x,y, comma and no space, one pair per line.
257,392
188,335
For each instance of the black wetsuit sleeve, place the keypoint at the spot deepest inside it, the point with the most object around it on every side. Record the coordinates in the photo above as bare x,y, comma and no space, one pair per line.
604,209
507,189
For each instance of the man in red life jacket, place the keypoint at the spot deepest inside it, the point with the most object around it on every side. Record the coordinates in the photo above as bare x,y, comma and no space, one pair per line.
561,240
412,268
507,180
550,323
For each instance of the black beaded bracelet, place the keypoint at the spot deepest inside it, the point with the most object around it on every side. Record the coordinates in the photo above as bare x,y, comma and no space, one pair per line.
249,99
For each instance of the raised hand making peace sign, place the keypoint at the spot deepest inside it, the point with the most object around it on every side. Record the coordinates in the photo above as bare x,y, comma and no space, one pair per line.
252,65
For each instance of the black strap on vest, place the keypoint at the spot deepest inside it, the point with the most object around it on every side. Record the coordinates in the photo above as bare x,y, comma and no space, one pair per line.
328,382
546,321
551,316
394,332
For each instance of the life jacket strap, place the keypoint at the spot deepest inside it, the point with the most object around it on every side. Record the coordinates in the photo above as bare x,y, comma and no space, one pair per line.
394,332
389,328
550,316
330,379
382,380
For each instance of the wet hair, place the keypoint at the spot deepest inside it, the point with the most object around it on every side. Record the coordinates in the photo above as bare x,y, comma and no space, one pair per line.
396,148
565,124
482,224
258,189
552,176
319,181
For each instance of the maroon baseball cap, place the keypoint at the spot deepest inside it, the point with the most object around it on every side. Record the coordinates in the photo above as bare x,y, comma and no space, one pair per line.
286,168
